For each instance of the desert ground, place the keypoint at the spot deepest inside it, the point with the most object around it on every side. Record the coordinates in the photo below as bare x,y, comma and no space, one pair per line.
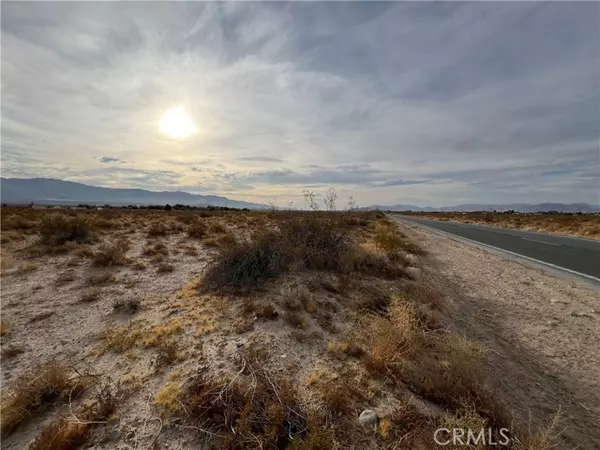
568,224
282,329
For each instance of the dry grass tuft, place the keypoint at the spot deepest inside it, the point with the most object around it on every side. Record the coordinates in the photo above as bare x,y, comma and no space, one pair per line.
231,413
165,268
112,254
130,306
197,230
11,351
39,386
61,435
90,297
157,229
101,278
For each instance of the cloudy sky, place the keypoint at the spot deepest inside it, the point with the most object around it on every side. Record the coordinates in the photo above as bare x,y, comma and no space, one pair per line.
421,103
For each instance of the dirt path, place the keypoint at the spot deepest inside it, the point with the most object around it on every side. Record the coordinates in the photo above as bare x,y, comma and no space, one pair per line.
543,334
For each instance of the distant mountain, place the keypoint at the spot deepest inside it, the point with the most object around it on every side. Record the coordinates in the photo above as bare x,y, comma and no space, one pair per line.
52,192
519,207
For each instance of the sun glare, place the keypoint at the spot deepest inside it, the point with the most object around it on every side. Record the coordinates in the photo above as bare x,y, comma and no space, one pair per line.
176,123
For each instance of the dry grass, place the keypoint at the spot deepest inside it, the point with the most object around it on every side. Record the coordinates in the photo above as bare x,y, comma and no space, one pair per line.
165,268
197,230
4,328
233,414
101,278
39,386
90,297
57,229
113,254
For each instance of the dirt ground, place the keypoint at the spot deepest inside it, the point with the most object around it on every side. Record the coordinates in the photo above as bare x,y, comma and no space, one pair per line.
543,333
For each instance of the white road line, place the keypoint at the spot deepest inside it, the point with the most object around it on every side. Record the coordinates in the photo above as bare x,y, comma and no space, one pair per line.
543,242
537,261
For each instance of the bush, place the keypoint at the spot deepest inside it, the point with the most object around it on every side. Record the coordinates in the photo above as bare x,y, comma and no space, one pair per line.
197,230
57,229
309,241
244,264
112,255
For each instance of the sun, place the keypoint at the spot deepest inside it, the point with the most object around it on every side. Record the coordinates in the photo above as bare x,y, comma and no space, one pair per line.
176,123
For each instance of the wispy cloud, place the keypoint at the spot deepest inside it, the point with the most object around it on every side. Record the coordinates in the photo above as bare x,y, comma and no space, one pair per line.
404,102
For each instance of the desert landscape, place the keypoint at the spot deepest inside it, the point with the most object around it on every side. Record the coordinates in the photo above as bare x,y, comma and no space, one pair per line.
272,329
569,224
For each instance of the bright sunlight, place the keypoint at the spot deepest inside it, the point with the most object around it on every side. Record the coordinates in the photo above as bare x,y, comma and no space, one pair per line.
176,123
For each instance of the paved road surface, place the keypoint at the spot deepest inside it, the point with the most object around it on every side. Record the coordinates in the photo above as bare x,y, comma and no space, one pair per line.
579,255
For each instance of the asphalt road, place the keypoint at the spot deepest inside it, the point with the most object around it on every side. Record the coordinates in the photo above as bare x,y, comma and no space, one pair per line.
579,255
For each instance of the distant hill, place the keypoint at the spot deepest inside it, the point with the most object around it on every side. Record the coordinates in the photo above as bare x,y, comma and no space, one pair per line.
519,207
50,191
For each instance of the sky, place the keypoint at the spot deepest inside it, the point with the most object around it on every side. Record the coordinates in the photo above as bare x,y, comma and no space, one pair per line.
392,103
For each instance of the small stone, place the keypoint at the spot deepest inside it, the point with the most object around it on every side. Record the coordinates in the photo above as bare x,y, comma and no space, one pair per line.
368,418
553,322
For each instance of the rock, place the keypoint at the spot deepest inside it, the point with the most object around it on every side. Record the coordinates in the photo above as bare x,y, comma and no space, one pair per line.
553,322
368,418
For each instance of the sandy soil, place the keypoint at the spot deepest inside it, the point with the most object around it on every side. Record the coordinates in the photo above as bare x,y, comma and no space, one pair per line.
543,334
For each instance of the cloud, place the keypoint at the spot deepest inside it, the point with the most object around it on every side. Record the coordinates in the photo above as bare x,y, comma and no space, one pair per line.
401,102
109,160
260,159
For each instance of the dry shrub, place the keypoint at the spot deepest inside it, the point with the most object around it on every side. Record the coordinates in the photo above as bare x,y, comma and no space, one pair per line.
373,300
39,386
56,229
4,328
90,297
424,293
65,277
70,434
294,319
246,264
233,414
303,241
266,311
167,352
11,351
217,228
130,306
112,254
393,339
154,249
453,378
84,251
101,278
61,435
157,229
197,230
165,268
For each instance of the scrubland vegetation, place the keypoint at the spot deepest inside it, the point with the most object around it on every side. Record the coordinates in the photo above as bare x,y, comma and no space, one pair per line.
231,330
574,224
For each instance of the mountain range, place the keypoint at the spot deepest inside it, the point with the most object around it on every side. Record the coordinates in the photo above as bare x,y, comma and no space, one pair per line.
50,191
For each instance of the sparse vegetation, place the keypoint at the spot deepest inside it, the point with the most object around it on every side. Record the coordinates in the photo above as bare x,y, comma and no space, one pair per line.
41,385
113,254
57,229
334,290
